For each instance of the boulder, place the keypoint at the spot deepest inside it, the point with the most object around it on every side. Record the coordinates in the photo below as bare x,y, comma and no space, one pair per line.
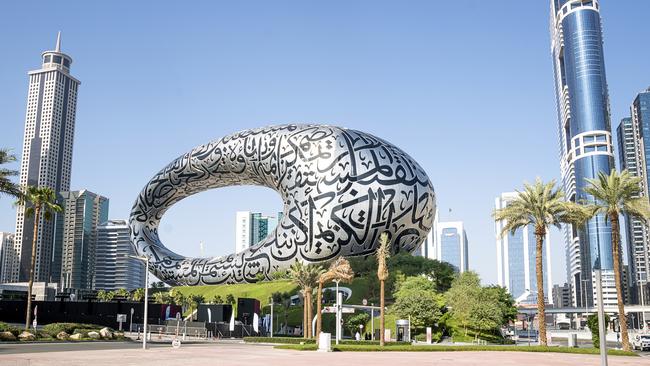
106,333
75,337
26,336
94,335
62,336
7,336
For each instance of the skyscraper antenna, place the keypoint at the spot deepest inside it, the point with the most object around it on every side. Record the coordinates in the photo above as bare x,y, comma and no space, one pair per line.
58,42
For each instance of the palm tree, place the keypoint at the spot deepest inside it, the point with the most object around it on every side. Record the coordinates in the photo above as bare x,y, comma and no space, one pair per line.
383,252
122,293
138,294
540,205
163,298
339,270
39,203
7,186
616,194
306,276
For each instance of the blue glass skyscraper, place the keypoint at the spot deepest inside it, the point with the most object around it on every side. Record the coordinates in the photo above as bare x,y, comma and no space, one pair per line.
585,135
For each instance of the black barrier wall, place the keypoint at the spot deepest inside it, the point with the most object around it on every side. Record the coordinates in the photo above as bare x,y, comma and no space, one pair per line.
89,312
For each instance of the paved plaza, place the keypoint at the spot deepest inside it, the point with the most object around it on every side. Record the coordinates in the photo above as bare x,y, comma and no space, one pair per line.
256,355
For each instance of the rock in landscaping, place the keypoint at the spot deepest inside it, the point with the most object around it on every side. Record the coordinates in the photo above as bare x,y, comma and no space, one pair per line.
26,336
118,335
7,336
75,337
93,335
106,333
62,336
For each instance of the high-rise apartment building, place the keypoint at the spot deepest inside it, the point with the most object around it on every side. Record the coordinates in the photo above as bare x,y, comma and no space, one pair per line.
634,154
428,248
114,269
7,255
562,296
252,227
76,238
584,135
516,258
46,156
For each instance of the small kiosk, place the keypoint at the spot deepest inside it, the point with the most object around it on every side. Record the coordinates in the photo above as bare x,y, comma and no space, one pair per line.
403,330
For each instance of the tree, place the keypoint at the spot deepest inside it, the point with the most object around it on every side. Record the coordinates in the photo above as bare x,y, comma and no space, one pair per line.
592,324
283,298
462,297
39,203
616,194
194,301
354,321
217,299
138,294
230,299
123,293
163,298
383,252
505,302
487,313
8,187
102,295
417,299
306,277
339,270
540,205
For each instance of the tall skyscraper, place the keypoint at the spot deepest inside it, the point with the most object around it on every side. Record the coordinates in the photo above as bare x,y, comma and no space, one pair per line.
584,135
634,154
252,227
450,245
113,267
76,238
7,255
47,154
516,259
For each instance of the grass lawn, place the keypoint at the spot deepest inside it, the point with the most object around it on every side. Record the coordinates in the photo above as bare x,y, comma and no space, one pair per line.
261,291
409,348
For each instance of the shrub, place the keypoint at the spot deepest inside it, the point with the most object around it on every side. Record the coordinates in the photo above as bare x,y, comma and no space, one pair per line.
4,327
54,328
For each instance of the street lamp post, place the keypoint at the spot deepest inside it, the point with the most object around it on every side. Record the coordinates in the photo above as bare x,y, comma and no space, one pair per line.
372,322
642,281
338,312
271,317
601,318
145,259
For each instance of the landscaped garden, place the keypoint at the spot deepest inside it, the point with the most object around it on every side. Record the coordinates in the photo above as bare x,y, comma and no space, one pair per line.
59,332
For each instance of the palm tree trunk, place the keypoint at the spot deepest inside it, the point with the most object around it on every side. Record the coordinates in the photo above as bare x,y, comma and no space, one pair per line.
28,312
622,319
304,314
540,233
319,300
381,313
310,314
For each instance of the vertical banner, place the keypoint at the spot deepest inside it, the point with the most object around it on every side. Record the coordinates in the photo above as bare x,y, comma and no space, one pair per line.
429,335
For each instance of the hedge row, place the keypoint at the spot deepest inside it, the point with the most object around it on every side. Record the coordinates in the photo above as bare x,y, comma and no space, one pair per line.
407,348
292,340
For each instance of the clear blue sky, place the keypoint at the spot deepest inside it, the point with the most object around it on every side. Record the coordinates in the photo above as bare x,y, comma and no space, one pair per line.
465,87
